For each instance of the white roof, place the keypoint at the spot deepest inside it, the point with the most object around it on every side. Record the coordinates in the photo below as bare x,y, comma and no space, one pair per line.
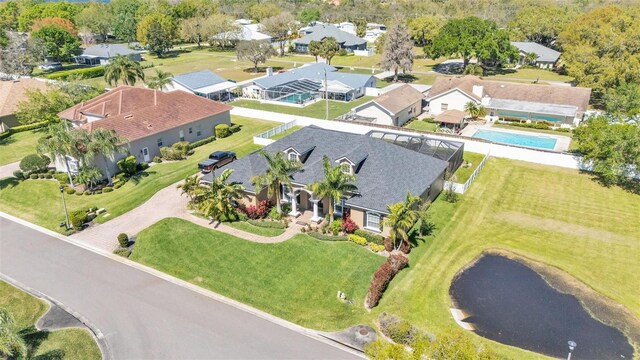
217,87
533,107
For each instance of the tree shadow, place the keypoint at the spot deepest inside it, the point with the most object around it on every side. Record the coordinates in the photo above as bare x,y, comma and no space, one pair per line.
136,178
262,69
174,53
630,185
34,338
7,141
493,71
405,78
9,182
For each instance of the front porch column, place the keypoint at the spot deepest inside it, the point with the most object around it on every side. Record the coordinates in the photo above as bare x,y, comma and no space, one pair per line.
294,205
316,217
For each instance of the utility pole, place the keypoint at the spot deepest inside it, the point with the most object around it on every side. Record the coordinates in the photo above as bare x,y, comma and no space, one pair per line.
64,203
326,96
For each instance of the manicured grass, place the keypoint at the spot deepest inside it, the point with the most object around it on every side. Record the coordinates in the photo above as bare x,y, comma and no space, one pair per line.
464,173
262,231
26,310
315,110
38,201
19,145
423,125
296,280
285,133
552,215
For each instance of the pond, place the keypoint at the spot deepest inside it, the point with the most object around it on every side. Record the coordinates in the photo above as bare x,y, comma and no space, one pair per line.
510,303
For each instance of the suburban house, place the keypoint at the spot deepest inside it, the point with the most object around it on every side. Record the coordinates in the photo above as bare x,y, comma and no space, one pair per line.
148,119
372,32
246,31
547,57
384,172
305,84
393,108
12,92
347,41
558,105
203,83
101,54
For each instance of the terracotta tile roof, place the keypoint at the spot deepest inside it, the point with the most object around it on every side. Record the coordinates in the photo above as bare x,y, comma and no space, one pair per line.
399,98
452,116
14,91
547,94
135,113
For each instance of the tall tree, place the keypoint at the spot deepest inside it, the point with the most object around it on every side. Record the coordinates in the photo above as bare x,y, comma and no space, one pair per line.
194,29
540,23
42,106
472,37
31,12
402,217
97,17
256,51
424,28
361,27
308,16
221,30
125,19
191,186
279,170
160,80
280,27
217,201
20,54
262,11
335,184
156,31
124,70
329,48
12,344
315,48
107,144
9,13
59,43
55,21
623,102
398,50
59,144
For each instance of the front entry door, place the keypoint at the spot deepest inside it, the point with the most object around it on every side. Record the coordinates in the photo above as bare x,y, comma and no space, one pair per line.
145,154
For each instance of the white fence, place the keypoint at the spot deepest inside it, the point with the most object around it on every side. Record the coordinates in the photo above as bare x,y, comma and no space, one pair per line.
265,137
461,188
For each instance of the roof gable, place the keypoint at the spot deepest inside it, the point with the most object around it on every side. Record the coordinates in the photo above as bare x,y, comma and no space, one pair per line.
322,31
198,79
399,99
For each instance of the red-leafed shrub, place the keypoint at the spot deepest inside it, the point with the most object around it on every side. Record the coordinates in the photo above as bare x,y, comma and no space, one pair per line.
388,244
348,226
258,211
405,247
383,276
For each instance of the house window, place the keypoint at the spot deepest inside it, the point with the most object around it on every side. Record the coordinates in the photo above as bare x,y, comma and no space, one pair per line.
199,132
190,130
372,221
444,107
346,168
293,156
159,142
410,111
338,207
181,133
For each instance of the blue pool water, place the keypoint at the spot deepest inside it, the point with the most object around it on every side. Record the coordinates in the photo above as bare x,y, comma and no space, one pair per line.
298,98
533,141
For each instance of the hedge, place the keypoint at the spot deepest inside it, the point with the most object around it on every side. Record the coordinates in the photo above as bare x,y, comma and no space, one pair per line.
323,237
21,128
204,141
82,73
383,276
122,252
222,130
376,239
267,224
78,218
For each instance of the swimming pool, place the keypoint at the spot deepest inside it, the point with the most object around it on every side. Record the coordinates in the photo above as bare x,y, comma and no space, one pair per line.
533,141
300,98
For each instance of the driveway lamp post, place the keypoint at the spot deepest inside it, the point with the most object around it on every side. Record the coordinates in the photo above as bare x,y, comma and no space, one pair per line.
64,203
572,345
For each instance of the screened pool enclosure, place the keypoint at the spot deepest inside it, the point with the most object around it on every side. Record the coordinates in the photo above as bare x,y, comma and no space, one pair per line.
295,92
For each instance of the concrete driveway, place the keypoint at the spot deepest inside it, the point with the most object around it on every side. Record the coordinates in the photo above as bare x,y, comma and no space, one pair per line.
143,316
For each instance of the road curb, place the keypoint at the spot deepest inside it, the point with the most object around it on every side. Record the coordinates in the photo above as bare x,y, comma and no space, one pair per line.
184,284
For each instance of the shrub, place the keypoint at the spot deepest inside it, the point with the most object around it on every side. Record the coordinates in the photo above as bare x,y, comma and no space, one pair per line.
204,141
122,252
63,178
267,224
51,171
70,190
107,189
118,185
78,218
48,176
157,159
222,131
383,276
376,247
33,176
335,227
357,239
41,176
123,240
342,52
348,226
539,126
372,238
143,166
128,165
317,235
399,330
177,151
82,73
88,192
79,193
34,163
273,213
28,127
258,211
234,128
18,174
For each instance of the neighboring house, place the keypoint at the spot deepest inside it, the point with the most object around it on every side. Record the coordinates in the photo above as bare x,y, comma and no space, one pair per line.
346,40
101,54
393,108
558,105
246,31
203,83
148,119
306,83
384,172
12,92
547,58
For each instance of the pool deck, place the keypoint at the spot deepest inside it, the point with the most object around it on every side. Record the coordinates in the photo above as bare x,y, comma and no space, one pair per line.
562,142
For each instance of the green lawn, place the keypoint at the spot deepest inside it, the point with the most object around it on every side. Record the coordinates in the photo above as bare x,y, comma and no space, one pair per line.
18,145
285,133
296,280
533,74
464,173
552,215
316,110
262,231
38,201
422,125
26,310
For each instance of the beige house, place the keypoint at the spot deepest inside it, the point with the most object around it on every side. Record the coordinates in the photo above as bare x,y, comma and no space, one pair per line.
393,108
12,92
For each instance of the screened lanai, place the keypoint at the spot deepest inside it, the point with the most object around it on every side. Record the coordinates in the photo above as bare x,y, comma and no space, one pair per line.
451,151
296,92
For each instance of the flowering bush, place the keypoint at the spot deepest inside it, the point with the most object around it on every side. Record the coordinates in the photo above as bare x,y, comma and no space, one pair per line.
335,227
348,226
375,247
357,239
258,211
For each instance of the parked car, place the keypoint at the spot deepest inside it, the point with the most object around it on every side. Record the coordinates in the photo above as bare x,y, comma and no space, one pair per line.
217,160
50,66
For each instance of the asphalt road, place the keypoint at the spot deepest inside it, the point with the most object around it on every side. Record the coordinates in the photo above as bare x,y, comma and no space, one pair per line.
141,315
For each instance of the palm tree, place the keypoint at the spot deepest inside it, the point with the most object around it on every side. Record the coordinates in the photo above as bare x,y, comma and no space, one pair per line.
123,69
217,200
474,110
89,176
278,173
530,58
161,80
108,144
12,345
191,187
60,143
334,184
402,217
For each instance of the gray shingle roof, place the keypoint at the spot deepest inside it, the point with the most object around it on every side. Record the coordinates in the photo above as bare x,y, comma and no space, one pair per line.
385,175
544,53
108,50
323,31
314,72
198,79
